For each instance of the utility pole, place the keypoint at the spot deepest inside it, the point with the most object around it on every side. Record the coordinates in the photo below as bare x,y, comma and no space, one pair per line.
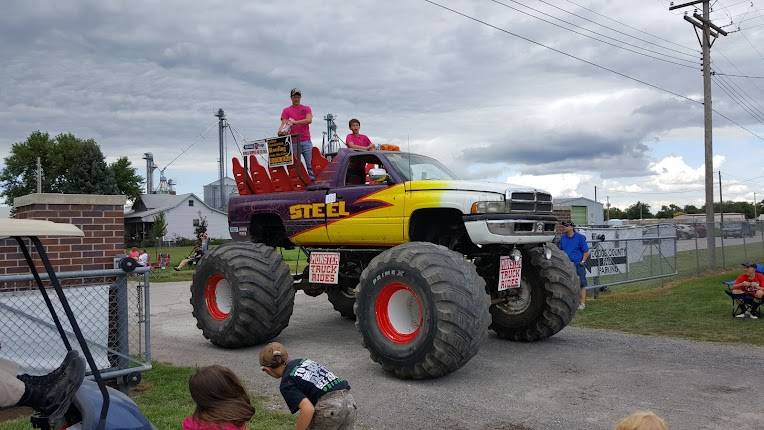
607,206
754,207
221,129
39,176
721,217
704,24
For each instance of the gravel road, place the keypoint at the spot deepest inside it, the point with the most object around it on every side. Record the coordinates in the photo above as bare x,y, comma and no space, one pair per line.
579,379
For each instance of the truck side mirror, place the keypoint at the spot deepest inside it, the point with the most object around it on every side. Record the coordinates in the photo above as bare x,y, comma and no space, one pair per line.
378,175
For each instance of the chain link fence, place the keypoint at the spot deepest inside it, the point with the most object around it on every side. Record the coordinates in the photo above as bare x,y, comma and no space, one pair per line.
635,253
113,317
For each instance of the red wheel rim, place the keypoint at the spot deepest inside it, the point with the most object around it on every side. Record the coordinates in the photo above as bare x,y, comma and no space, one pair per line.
399,312
217,296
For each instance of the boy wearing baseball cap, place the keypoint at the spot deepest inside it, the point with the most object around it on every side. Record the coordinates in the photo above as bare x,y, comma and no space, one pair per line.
750,282
323,400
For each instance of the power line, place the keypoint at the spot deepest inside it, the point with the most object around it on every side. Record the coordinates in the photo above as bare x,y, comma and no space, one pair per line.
693,50
693,55
735,88
183,151
737,76
591,63
691,64
753,104
736,98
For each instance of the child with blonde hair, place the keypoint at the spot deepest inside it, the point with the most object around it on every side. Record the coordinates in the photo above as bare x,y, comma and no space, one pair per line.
642,420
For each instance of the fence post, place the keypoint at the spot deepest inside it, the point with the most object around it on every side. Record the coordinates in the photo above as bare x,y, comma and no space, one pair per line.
118,339
744,233
697,254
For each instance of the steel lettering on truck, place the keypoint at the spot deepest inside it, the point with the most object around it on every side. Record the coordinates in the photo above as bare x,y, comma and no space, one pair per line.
318,210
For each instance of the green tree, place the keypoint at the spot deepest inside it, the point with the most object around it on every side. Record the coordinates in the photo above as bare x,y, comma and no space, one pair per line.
638,210
89,174
615,213
668,211
158,230
202,227
692,209
128,181
19,176
69,165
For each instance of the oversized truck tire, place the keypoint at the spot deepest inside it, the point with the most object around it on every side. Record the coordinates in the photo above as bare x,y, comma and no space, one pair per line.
242,294
342,298
548,298
422,310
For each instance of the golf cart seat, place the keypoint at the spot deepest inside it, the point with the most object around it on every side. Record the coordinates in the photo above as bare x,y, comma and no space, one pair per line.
742,303
122,410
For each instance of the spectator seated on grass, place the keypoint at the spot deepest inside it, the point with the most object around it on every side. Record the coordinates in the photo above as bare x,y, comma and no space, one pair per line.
193,258
747,291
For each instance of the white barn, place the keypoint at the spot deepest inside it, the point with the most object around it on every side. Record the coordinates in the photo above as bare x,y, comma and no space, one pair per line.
183,213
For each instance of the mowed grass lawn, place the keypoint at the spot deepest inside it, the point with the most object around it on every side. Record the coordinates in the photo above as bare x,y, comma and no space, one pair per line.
178,253
694,308
164,399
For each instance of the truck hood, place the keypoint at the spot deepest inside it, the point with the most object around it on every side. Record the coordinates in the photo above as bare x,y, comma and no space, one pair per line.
477,186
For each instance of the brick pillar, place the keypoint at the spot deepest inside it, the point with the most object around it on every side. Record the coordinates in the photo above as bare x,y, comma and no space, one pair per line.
100,217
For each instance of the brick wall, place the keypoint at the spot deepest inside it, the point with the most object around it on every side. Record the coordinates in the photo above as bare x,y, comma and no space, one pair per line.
99,217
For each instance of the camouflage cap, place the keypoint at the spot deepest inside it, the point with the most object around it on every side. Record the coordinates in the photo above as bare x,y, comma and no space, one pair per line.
273,355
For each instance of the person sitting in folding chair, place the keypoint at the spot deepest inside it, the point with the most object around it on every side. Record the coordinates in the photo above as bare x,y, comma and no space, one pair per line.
49,394
749,285
193,258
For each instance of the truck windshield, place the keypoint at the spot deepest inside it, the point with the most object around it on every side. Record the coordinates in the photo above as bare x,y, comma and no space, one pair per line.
419,168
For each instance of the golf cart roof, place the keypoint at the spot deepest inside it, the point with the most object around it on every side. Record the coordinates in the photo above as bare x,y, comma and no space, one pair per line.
29,227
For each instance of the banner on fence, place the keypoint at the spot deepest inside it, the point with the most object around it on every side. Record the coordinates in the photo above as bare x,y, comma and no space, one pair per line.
606,261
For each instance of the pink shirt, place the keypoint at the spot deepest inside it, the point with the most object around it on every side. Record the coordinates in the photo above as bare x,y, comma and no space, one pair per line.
191,424
358,139
297,113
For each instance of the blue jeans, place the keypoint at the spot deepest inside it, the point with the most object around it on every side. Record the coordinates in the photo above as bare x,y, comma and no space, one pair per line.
306,149
581,272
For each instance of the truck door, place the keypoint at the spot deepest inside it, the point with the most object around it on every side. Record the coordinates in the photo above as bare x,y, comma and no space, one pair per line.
306,217
363,212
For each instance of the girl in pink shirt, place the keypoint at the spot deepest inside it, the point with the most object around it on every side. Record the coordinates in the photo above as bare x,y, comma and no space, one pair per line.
222,403
356,140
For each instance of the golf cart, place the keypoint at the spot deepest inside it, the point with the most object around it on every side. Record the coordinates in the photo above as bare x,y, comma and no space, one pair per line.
95,406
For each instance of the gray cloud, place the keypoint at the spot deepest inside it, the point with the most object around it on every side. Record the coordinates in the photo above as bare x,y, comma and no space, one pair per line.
147,77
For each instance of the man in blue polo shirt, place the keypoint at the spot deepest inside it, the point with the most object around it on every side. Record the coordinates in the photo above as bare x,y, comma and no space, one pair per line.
575,246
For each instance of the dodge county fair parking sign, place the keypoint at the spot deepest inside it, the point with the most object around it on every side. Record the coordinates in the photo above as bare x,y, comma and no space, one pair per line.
509,272
324,268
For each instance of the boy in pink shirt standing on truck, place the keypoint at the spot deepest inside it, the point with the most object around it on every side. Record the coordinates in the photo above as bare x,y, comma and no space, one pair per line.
296,119
356,140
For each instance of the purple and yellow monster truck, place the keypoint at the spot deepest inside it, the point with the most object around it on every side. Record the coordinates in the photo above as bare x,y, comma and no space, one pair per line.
425,263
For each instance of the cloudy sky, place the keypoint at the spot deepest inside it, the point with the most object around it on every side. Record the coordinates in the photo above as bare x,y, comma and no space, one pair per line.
142,76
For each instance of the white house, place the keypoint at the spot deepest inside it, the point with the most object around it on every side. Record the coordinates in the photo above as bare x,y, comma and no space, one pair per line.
182,212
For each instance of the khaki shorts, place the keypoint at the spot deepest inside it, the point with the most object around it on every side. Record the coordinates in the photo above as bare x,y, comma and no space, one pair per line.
335,411
11,388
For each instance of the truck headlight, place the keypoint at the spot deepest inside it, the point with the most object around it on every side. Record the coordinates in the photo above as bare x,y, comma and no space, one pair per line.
489,207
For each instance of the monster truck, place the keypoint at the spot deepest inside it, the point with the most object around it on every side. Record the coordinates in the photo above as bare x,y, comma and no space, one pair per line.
425,263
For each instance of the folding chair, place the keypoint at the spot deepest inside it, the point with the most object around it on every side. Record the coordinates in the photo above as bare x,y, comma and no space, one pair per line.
742,303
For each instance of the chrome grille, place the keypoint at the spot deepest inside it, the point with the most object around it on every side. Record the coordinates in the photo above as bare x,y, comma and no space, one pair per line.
530,202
